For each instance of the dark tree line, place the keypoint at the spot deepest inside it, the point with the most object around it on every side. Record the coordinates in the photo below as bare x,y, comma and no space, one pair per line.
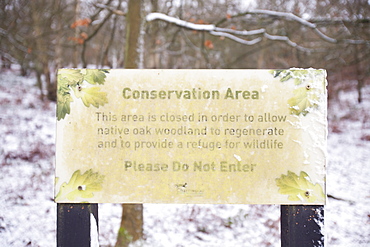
43,35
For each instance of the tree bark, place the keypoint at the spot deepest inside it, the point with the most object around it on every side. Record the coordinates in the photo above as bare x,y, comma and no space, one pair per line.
75,49
133,20
131,228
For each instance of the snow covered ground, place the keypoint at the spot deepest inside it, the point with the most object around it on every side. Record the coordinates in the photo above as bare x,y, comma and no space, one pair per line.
28,213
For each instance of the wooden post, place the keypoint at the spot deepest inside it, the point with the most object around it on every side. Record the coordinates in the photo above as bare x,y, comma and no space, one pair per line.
302,226
74,226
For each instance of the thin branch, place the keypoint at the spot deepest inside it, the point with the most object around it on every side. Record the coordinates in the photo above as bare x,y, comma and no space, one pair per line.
237,39
285,15
101,24
96,15
189,42
339,21
340,199
226,32
114,11
324,37
204,52
248,53
288,41
212,29
13,41
238,32
303,22
198,27
8,56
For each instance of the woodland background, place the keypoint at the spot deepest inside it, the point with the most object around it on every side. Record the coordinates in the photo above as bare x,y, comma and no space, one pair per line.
42,36
39,36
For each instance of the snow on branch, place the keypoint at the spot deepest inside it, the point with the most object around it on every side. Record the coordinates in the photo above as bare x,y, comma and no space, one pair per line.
233,34
292,17
178,22
289,16
212,29
288,41
243,32
237,39
114,11
224,32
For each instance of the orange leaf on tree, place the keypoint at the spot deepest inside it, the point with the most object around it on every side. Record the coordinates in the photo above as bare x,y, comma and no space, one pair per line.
208,44
81,22
84,35
77,40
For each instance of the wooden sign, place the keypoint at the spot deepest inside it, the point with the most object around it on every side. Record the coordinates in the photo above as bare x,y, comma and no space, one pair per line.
191,136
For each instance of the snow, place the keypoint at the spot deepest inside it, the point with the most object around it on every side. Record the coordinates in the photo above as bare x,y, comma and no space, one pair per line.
94,231
181,23
230,33
232,37
28,213
289,16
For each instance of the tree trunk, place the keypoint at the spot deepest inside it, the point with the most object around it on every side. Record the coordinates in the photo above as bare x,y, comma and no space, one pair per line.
360,81
40,56
133,20
131,228
75,49
154,56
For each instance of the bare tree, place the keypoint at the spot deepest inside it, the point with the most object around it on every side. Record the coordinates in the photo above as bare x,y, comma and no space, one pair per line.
330,34
131,228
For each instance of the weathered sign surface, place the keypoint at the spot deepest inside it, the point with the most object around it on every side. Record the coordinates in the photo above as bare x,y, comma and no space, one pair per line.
191,136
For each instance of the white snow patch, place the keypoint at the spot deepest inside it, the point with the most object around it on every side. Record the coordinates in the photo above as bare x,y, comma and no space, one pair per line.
28,213
237,157
94,234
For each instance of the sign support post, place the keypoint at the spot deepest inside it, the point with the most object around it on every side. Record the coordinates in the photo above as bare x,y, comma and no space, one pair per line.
74,226
302,225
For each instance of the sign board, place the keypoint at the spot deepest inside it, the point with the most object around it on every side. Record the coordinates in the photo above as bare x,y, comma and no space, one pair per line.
191,136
